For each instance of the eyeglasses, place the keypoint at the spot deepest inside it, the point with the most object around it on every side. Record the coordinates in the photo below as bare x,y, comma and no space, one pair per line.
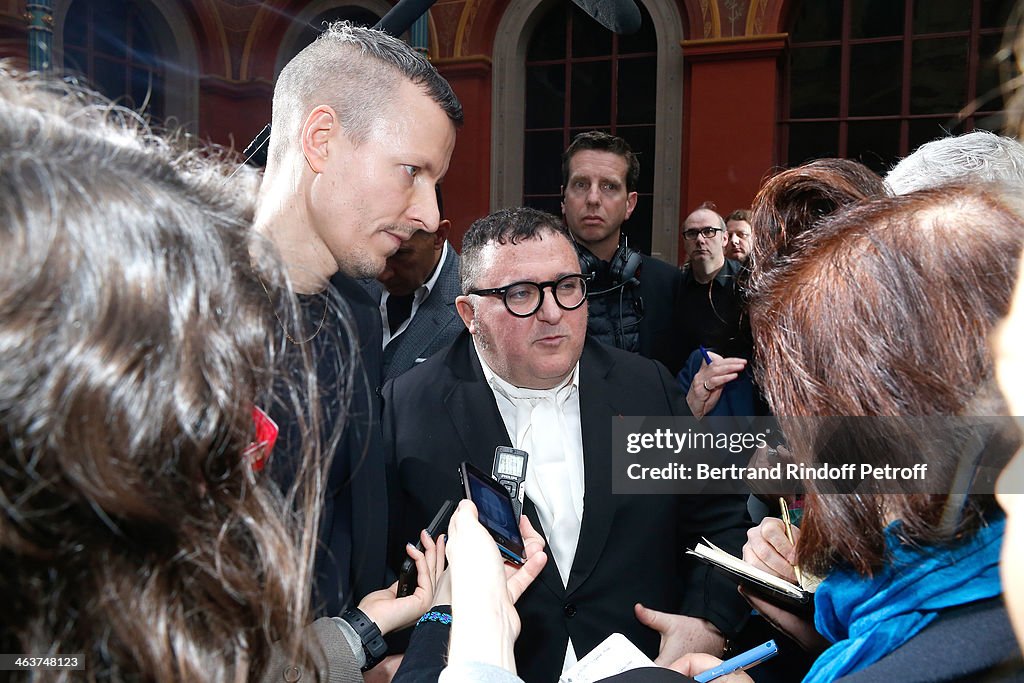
523,299
708,232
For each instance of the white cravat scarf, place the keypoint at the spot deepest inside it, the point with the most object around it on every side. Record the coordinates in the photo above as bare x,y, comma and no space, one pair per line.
546,424
553,481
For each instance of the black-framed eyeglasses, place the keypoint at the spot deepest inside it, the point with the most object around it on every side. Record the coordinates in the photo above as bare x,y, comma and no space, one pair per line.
708,232
523,299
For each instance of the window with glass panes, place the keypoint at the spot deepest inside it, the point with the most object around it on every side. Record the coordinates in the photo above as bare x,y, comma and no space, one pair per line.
111,43
873,79
579,77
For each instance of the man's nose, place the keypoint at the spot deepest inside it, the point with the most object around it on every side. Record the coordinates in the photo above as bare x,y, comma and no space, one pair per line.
549,311
594,195
424,209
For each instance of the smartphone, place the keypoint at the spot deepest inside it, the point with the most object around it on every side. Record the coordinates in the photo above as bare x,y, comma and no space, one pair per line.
495,511
437,526
509,470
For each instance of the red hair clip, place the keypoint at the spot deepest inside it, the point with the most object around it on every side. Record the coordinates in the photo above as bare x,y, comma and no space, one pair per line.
258,452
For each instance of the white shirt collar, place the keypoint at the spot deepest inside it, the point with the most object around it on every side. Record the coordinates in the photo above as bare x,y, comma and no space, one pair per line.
419,296
427,287
511,391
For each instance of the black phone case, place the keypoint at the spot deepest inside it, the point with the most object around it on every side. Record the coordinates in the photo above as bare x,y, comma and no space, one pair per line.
407,574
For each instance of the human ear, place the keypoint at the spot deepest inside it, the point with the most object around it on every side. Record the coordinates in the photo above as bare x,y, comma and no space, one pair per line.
317,131
630,203
464,306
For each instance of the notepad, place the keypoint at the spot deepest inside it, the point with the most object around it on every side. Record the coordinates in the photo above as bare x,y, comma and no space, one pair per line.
768,585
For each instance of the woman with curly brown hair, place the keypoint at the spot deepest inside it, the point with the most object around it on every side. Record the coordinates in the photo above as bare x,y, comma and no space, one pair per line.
137,340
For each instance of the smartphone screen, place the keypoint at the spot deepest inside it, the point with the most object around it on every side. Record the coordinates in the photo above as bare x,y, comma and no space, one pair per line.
495,511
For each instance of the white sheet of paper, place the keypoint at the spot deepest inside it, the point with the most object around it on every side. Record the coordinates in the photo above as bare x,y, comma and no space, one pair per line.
614,655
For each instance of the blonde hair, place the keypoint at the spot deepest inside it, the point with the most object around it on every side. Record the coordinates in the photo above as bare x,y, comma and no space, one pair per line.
355,70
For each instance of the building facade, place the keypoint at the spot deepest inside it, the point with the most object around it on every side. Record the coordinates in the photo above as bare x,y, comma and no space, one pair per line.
713,94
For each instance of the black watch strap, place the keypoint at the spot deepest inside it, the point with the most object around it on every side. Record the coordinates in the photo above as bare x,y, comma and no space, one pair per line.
374,646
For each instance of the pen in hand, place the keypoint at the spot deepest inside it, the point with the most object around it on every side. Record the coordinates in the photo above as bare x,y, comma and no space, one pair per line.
789,535
751,657
704,352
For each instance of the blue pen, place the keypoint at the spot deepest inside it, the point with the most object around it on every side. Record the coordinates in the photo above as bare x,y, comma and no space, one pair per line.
704,352
754,655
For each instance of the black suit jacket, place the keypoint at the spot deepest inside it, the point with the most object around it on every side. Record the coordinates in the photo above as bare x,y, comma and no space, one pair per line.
631,547
351,557
434,326
661,327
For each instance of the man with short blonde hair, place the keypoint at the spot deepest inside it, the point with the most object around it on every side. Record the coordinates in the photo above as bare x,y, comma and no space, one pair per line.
363,130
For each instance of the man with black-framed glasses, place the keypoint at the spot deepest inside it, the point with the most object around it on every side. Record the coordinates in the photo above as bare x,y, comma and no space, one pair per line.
525,374
711,304
523,299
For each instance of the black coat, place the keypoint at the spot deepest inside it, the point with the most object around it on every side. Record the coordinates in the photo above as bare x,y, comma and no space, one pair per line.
351,550
434,326
972,643
643,315
662,322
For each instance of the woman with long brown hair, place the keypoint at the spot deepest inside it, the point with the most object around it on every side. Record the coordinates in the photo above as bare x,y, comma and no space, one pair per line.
139,536
887,312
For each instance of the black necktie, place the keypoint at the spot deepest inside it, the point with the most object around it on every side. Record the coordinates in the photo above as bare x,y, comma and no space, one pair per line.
399,308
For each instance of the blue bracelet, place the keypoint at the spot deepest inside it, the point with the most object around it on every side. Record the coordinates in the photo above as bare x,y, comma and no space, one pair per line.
439,617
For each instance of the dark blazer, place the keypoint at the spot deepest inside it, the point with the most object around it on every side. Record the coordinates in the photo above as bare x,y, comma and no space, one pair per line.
631,547
661,327
354,524
434,326
972,643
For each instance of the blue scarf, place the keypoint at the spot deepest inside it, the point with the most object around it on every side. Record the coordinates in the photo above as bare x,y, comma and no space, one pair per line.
867,618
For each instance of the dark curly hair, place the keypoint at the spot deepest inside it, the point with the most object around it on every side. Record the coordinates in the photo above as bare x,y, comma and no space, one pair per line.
135,337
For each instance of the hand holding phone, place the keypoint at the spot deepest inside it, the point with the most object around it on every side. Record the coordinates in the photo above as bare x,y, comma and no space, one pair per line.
437,526
495,511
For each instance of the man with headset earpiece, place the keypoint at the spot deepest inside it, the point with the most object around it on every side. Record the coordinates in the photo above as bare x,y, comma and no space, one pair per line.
632,297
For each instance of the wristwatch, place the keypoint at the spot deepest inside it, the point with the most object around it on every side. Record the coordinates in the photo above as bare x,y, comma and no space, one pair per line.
374,646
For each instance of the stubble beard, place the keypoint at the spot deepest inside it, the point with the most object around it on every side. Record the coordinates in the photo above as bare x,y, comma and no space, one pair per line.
361,265
364,263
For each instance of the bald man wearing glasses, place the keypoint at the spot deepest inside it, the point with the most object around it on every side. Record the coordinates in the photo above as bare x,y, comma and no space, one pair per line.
524,374
710,304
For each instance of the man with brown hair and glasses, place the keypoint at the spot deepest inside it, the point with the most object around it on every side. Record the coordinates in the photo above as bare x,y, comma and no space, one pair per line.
525,374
